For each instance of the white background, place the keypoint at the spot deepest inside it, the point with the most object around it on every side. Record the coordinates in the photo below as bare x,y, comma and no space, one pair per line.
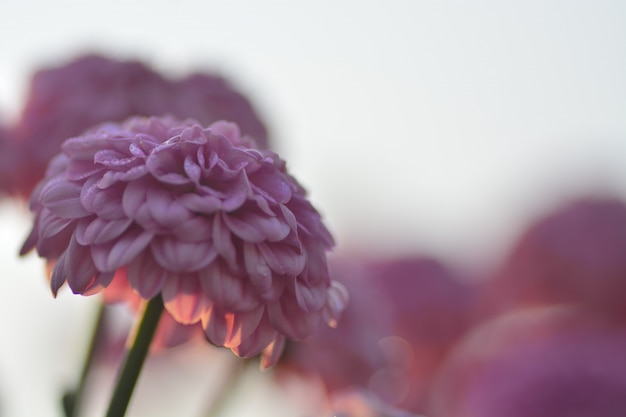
417,126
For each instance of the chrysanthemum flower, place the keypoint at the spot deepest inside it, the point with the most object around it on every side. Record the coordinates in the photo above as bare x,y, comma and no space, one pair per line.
218,228
64,101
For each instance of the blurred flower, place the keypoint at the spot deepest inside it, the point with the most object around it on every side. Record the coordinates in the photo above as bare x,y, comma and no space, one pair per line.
65,101
403,316
356,403
218,228
8,160
551,361
575,255
208,98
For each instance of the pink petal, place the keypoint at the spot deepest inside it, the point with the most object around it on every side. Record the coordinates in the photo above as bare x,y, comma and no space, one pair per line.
63,199
178,256
109,257
51,247
310,298
268,287
287,317
227,129
184,299
336,303
113,159
192,169
81,169
252,227
134,198
282,259
272,353
254,344
206,204
242,326
222,240
80,271
146,276
216,326
164,164
51,225
104,202
111,177
239,191
196,229
272,186
164,208
229,329
227,291
97,231
59,275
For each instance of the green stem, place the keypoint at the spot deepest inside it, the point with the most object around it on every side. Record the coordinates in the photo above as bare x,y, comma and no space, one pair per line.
135,358
71,400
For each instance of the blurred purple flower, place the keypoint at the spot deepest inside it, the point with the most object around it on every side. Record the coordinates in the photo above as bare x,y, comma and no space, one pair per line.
551,361
208,98
8,160
358,403
575,255
65,101
403,316
218,228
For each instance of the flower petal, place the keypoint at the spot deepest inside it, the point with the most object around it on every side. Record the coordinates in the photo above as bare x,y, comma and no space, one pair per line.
97,231
111,256
63,199
146,276
272,353
184,299
178,256
282,259
80,271
336,303
255,227
229,292
229,329
287,316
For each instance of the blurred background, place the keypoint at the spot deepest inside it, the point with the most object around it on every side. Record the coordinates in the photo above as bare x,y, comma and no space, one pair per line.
442,128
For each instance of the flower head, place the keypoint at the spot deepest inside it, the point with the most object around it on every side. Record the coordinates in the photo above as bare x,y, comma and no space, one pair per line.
67,100
219,229
573,255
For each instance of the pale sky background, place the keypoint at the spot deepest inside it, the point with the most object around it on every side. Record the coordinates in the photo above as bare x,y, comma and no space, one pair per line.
417,126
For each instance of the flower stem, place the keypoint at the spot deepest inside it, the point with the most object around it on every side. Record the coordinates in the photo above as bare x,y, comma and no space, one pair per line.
72,399
135,358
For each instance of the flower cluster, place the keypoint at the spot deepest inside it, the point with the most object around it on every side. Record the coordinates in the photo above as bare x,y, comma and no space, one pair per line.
551,328
198,215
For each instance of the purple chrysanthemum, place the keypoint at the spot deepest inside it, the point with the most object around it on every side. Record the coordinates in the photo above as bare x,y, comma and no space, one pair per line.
218,228
67,100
